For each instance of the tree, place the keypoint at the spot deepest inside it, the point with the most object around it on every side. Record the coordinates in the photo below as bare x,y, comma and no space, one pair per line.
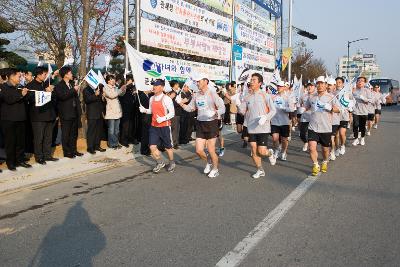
11,58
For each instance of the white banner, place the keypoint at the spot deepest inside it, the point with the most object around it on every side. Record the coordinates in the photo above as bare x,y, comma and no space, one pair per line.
245,13
186,13
245,34
162,36
183,68
42,98
258,59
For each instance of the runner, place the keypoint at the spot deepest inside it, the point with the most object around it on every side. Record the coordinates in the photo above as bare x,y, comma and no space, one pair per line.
210,107
381,99
335,122
258,109
305,115
371,110
162,109
344,115
280,123
362,96
320,128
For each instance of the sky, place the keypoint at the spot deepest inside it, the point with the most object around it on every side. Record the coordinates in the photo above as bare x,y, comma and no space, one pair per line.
337,21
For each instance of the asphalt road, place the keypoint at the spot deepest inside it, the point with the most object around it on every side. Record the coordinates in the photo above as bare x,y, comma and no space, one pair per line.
130,217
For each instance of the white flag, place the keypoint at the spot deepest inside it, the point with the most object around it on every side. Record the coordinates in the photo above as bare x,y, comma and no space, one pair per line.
144,70
101,78
92,79
42,98
68,61
50,71
191,84
107,59
276,77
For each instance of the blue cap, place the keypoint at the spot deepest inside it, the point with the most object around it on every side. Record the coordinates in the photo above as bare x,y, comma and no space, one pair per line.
158,82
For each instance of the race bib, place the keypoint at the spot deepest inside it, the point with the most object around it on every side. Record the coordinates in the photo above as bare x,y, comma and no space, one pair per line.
201,104
319,106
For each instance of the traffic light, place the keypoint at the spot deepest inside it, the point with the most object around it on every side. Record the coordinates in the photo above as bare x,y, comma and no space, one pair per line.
307,34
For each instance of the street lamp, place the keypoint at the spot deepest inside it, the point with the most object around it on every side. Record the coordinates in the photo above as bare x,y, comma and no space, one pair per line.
348,53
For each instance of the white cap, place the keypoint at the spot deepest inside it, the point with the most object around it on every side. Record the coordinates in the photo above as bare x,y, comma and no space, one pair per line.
281,83
331,81
199,76
321,79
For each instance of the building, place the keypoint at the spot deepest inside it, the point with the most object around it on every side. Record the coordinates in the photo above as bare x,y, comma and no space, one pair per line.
359,64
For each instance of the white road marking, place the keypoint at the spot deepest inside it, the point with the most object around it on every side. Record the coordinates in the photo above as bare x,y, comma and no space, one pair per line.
244,247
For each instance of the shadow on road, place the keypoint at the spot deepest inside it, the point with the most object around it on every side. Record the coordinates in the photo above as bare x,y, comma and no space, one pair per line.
73,243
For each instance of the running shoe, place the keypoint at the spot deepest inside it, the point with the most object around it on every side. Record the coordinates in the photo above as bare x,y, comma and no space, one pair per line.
362,141
284,156
158,167
332,156
207,169
356,142
324,167
221,152
213,173
342,150
315,170
171,167
272,157
258,174
305,147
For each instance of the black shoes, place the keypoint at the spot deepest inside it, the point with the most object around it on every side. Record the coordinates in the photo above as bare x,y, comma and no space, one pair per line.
12,168
78,154
51,159
24,165
69,156
41,161
101,149
91,151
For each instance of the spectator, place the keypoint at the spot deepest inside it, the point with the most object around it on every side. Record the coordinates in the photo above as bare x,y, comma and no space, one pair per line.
128,99
188,119
175,121
13,116
42,118
113,111
69,109
93,99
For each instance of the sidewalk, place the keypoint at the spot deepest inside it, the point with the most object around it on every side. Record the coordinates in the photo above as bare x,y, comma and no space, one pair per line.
67,168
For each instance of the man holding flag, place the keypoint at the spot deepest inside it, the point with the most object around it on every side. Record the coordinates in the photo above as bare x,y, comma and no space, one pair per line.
162,110
320,127
42,115
210,107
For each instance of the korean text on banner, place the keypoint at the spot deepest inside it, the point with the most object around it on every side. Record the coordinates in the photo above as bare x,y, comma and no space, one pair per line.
245,13
245,34
188,14
273,6
42,98
258,59
165,37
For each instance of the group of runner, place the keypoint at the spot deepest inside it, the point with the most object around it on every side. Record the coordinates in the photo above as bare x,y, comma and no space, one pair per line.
324,113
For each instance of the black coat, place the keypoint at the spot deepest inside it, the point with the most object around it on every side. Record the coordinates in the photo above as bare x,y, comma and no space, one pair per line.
94,104
68,103
46,112
13,103
128,100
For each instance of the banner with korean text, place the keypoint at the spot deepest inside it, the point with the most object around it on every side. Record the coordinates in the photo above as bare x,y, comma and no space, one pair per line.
222,5
188,14
245,34
249,16
165,37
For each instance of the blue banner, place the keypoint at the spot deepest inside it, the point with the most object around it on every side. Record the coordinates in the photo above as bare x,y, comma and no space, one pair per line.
273,6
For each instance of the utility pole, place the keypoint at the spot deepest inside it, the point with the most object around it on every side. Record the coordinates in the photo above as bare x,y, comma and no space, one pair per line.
290,39
126,29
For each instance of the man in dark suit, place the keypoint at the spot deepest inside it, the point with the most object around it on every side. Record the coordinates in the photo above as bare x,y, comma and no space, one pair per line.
69,111
42,117
176,120
127,100
187,119
144,98
13,116
94,114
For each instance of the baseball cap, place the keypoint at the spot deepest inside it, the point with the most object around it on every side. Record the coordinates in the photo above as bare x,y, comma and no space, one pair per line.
158,82
280,84
331,81
321,79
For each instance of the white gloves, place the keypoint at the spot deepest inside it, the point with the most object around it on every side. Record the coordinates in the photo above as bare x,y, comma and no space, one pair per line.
263,120
142,109
161,119
328,107
178,99
210,113
301,110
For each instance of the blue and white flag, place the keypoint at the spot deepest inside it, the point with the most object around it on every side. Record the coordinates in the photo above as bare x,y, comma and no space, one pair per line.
42,98
101,78
144,70
92,79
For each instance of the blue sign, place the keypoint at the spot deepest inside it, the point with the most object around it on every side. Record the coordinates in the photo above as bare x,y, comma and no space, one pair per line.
237,52
273,6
